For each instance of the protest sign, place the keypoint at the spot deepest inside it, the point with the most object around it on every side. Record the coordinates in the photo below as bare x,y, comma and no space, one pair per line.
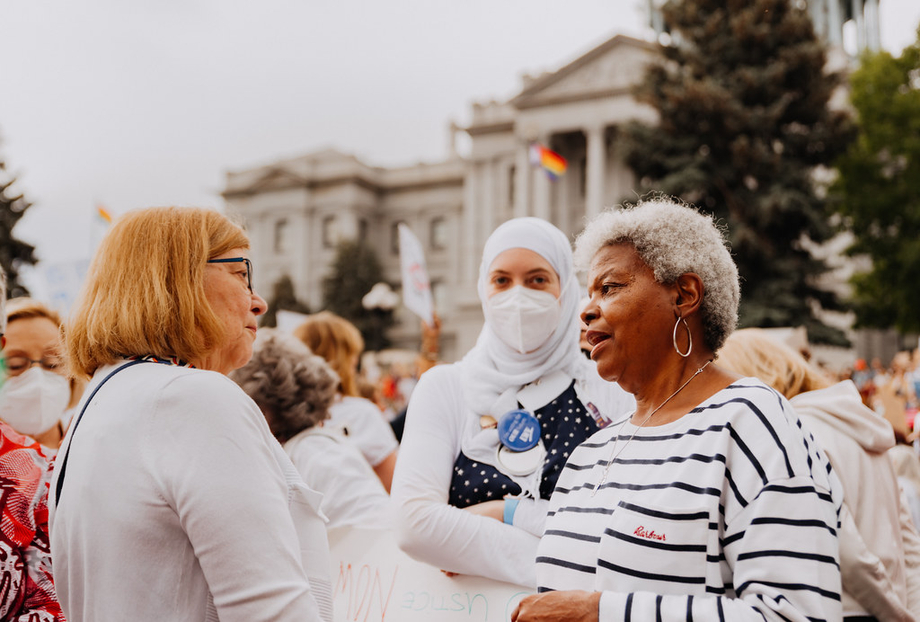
374,581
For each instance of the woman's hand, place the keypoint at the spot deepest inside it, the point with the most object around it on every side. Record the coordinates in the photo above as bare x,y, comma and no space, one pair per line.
569,606
489,509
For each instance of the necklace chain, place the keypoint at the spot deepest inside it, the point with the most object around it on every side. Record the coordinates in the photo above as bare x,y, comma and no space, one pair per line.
614,454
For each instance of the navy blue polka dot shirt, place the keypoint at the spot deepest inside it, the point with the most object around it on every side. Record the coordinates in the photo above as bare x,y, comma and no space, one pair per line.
564,423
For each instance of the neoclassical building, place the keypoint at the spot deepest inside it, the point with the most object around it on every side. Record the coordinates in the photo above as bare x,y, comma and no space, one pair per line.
297,209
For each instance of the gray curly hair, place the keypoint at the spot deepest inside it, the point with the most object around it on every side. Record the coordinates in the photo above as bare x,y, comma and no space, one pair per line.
673,238
293,387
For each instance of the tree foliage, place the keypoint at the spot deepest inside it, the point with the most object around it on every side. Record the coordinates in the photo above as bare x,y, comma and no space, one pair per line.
283,298
14,253
354,271
878,188
742,99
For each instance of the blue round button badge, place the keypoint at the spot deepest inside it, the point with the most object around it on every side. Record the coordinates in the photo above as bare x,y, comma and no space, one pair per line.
518,430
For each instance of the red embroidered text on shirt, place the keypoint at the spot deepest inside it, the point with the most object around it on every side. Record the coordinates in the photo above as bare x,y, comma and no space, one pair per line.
642,532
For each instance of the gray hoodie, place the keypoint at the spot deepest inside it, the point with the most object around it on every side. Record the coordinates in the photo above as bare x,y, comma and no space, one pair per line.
879,548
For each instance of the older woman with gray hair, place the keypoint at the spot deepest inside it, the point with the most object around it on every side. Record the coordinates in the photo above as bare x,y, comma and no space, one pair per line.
709,501
294,389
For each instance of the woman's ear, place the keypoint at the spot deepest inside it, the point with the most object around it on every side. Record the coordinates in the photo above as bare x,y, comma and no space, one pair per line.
689,289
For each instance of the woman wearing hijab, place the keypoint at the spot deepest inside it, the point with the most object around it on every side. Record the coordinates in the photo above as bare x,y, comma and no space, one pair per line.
486,438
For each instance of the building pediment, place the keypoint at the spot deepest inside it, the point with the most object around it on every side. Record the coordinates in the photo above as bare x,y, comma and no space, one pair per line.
264,179
323,167
278,179
611,68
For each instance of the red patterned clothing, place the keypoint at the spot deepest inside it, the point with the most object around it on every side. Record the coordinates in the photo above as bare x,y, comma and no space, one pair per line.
26,586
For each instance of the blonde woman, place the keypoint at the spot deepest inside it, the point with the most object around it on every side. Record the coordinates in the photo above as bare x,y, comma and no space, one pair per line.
339,342
171,499
879,548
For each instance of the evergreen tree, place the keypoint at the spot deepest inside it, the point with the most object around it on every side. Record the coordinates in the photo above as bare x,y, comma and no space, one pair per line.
742,99
13,252
354,271
283,298
879,188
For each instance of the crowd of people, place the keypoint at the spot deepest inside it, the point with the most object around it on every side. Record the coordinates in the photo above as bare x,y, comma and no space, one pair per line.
624,455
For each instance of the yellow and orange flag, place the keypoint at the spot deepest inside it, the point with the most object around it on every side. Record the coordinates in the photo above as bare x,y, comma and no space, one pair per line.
103,214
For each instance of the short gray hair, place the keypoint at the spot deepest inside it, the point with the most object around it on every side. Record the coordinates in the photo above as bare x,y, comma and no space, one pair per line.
293,387
673,238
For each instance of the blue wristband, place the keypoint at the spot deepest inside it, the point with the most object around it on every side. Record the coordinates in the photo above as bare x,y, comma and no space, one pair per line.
511,504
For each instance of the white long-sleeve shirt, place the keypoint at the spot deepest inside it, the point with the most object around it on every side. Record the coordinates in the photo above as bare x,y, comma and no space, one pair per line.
365,427
447,537
331,465
178,504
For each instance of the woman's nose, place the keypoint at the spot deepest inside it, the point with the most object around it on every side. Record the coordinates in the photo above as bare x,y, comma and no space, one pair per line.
259,306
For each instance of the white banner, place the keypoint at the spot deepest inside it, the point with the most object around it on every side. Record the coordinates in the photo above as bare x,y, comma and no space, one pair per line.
374,581
415,284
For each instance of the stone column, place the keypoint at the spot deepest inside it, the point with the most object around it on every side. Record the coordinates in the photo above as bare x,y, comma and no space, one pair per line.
872,26
541,189
596,165
522,179
857,6
489,210
818,13
469,269
835,22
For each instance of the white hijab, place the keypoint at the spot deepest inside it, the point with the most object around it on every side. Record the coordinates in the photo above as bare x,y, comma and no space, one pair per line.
492,372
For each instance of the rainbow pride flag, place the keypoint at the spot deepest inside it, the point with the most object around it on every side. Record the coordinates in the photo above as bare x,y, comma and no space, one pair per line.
547,159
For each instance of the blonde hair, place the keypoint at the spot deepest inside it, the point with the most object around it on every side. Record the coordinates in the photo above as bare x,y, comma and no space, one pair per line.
24,308
338,341
144,293
751,352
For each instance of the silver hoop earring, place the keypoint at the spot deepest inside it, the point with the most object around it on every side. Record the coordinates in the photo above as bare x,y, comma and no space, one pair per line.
689,337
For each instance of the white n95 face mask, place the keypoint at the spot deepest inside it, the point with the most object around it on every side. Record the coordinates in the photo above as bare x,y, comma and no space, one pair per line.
523,318
34,400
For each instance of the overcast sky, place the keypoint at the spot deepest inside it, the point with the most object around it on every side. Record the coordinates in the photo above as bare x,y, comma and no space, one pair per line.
131,104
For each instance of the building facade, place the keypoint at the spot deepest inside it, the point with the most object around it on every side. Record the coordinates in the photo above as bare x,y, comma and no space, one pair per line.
296,210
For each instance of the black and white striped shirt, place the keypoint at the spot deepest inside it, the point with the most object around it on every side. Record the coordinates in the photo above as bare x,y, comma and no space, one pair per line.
725,514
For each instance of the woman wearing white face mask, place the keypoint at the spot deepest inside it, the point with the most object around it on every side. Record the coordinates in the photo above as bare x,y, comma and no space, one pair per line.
35,394
486,438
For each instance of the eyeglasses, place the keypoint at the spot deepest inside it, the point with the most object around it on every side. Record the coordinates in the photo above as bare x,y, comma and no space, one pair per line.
16,365
244,260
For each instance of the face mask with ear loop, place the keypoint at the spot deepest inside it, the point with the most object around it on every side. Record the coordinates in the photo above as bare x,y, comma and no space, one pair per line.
34,400
523,318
